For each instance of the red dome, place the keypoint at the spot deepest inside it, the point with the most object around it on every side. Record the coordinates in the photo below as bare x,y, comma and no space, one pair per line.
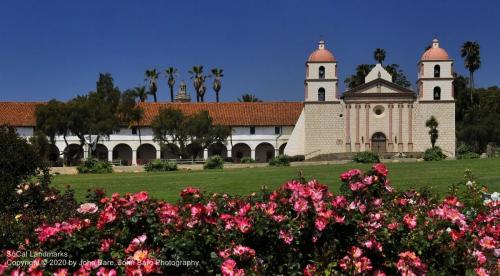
435,52
321,54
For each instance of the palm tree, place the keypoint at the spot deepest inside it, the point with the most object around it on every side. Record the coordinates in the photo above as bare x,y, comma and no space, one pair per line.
196,73
432,124
472,60
357,79
217,73
248,98
171,72
379,55
141,93
152,78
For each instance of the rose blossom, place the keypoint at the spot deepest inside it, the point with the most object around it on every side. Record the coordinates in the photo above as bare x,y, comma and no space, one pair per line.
87,208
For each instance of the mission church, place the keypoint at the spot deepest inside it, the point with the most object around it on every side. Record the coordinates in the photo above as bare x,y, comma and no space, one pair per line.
378,115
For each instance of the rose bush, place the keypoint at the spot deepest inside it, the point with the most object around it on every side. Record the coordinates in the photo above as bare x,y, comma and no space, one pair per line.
300,228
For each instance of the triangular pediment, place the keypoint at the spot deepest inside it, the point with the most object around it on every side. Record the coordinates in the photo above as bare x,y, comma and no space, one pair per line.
379,87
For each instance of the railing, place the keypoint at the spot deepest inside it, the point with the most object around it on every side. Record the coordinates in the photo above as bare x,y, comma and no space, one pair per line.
307,154
185,161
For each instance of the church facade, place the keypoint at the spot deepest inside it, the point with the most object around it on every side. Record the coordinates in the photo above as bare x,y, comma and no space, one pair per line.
378,115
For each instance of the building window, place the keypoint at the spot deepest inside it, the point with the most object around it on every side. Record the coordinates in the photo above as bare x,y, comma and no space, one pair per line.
321,72
378,110
252,130
134,131
321,94
277,130
437,71
437,93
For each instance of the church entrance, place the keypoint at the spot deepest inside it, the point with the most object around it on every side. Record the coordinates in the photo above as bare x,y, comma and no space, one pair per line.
379,142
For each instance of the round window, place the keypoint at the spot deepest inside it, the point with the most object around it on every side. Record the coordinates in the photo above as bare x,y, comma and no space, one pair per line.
378,110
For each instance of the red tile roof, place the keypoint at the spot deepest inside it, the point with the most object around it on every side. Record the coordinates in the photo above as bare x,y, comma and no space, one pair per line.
227,113
18,113
235,113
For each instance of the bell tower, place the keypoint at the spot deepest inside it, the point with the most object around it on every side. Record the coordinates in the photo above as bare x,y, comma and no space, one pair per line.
321,82
435,77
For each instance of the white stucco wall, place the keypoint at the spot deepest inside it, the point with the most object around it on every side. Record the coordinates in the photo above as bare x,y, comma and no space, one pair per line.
296,142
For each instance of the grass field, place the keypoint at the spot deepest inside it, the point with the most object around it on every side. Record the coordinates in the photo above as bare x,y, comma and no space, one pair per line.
436,175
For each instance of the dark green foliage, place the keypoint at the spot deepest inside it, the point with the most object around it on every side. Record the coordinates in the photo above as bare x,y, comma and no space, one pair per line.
468,155
19,162
432,124
160,166
464,151
366,157
280,161
362,70
247,160
93,165
172,127
24,188
248,98
214,162
434,154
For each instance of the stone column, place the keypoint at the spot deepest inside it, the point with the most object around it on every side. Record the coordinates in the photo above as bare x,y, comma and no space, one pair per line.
348,127
400,132
134,158
86,149
252,154
110,155
367,126
358,145
410,127
229,152
205,154
391,144
158,154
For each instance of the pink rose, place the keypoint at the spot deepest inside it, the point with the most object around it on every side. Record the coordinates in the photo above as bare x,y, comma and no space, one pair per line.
87,208
380,169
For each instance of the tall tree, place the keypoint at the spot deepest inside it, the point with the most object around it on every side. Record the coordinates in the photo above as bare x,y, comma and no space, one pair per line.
196,75
152,79
130,112
432,124
379,55
141,93
358,78
171,72
471,54
398,75
247,97
217,85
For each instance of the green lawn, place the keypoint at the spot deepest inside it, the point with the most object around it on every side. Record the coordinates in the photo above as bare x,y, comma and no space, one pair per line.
437,175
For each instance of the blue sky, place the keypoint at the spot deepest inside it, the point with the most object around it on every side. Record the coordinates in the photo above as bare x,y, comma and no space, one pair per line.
56,49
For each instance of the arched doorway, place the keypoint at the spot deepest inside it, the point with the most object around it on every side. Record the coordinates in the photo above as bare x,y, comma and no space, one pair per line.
241,150
122,153
145,153
100,152
281,150
217,149
264,152
170,151
379,142
194,150
53,156
73,155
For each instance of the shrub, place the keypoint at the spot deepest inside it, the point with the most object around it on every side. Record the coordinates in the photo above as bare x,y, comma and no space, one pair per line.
19,162
297,158
160,166
366,157
279,161
299,228
468,155
434,154
214,162
93,165
247,160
